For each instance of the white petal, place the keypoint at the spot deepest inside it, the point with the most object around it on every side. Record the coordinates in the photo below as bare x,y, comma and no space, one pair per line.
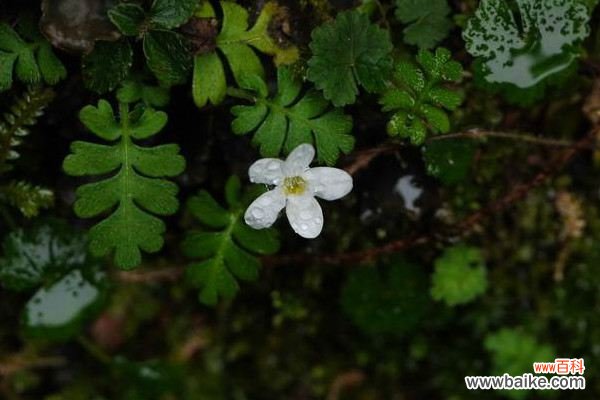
299,160
329,183
263,211
266,170
305,215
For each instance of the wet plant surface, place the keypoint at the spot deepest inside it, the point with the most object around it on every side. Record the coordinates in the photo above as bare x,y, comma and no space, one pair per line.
132,175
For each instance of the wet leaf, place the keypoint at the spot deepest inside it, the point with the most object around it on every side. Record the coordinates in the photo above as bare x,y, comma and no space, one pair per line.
529,44
40,254
106,66
58,311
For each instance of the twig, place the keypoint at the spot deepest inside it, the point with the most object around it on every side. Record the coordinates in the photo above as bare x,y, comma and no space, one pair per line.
521,137
170,274
465,227
19,363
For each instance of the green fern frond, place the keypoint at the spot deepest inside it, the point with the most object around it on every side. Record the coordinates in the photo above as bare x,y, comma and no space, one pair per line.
15,123
27,198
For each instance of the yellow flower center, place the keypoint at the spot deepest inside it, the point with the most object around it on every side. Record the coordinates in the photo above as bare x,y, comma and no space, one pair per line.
294,185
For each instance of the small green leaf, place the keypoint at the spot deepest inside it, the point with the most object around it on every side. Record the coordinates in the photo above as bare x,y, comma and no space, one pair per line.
107,65
289,119
59,311
128,18
428,22
448,160
418,95
388,301
168,56
32,62
136,187
349,52
169,14
238,43
227,253
40,254
459,276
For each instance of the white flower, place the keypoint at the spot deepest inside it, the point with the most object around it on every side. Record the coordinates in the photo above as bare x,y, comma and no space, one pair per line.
296,186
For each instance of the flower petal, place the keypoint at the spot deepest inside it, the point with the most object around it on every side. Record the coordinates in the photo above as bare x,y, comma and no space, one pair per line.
299,160
305,215
329,183
266,170
263,211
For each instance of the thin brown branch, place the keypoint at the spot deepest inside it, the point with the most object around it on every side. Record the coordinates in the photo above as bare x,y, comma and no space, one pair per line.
170,274
520,137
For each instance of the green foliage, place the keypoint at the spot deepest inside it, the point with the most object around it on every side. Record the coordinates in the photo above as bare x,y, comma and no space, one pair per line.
349,52
39,255
418,96
146,380
136,89
107,65
388,301
448,160
514,352
290,119
167,52
24,112
459,275
60,310
33,62
237,44
526,47
428,22
27,198
137,188
227,247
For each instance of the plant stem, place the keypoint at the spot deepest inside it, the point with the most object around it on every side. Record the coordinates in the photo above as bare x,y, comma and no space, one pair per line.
481,134
94,350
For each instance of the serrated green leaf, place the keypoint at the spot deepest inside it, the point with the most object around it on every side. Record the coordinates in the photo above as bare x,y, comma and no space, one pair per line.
428,22
128,18
418,96
238,44
31,62
389,301
513,352
59,311
171,13
459,275
287,120
40,254
107,65
522,55
349,52
136,189
229,253
448,160
168,56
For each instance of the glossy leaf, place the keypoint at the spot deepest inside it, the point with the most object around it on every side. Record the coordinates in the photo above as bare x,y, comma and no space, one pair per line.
347,53
59,311
39,255
289,119
527,45
136,185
